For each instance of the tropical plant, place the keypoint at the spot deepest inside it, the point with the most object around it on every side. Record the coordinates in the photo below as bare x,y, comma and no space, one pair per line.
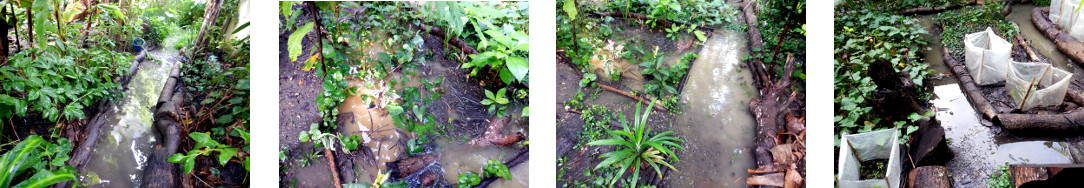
46,160
59,86
468,180
674,32
504,55
636,146
205,146
665,79
495,102
494,168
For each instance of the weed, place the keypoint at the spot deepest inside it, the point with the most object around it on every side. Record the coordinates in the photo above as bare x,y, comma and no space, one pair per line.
636,147
495,102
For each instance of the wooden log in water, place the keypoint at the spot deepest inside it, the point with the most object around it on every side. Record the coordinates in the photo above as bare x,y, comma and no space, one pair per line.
1068,45
929,146
929,177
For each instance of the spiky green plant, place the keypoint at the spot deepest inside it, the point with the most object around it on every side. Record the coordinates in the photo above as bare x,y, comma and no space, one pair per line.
636,147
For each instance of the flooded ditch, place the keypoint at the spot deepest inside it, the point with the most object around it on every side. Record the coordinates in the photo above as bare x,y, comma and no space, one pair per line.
716,122
119,158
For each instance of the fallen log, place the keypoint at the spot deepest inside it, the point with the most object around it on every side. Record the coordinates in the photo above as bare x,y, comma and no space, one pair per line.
967,84
493,135
934,10
767,110
436,31
1068,45
658,105
929,177
774,180
1027,48
334,169
1057,175
760,75
159,171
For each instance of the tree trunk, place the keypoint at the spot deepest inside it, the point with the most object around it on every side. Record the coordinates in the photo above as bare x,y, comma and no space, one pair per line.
4,42
210,14
30,27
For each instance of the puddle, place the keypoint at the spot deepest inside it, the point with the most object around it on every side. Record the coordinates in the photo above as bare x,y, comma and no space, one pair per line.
980,149
458,157
716,124
374,125
121,153
933,53
1021,14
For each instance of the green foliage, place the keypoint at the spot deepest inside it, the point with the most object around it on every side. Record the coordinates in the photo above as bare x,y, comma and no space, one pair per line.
205,146
863,37
293,44
34,154
783,28
596,123
59,86
508,54
665,79
220,88
970,19
636,146
674,32
999,179
320,138
468,180
494,168
495,102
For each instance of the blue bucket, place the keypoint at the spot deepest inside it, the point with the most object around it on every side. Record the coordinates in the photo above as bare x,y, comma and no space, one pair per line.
137,44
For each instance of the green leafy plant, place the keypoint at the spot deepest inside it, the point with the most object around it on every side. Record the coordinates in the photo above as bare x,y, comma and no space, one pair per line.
59,86
494,168
674,32
468,180
665,79
999,179
504,55
864,37
496,102
636,146
33,154
205,146
323,139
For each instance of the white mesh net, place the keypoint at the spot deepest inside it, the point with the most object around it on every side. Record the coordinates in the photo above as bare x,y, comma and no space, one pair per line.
1065,14
1036,84
986,56
883,144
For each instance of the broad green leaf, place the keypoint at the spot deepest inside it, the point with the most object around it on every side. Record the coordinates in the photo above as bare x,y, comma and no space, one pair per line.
176,158
225,154
21,157
700,35
45,178
293,44
518,66
202,140
570,9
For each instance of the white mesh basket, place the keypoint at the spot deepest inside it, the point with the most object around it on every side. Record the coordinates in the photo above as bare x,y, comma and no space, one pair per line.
986,56
1050,84
855,148
1064,14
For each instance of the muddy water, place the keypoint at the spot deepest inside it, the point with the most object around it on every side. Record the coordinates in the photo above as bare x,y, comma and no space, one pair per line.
121,153
458,157
980,148
1021,15
933,52
374,125
716,124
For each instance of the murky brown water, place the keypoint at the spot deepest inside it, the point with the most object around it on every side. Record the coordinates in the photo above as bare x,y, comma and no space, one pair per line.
121,153
716,124
374,125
